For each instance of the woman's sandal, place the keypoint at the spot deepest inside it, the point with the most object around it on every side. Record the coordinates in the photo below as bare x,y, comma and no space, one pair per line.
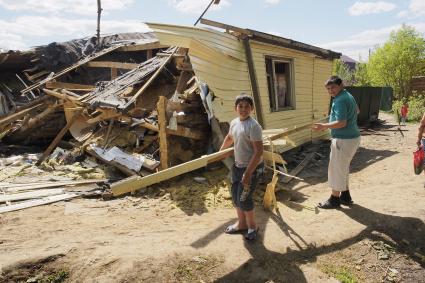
233,229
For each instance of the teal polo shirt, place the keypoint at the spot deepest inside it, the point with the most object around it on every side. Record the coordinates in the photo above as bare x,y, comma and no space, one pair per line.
344,107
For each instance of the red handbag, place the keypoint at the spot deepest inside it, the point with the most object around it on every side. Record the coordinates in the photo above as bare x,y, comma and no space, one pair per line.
418,160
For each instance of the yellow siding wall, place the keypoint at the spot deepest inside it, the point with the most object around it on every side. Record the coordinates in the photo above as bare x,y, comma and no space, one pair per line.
309,76
219,60
321,98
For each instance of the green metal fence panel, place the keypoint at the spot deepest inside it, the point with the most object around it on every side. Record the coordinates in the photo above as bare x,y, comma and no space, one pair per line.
369,100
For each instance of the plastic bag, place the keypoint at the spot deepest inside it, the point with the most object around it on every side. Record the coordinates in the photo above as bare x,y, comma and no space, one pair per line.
418,160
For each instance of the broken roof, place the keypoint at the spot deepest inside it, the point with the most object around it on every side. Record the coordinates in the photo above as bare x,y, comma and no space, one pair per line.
275,40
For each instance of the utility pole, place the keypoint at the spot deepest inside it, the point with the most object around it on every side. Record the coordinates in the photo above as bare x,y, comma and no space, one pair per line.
216,2
99,11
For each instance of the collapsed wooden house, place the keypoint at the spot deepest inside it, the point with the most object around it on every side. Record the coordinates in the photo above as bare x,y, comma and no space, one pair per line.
284,77
170,97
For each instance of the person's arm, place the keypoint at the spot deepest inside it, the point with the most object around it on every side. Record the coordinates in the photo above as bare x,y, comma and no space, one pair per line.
341,113
330,125
253,163
421,130
227,142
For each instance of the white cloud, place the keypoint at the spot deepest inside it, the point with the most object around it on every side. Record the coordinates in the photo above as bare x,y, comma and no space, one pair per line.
11,41
416,9
83,7
359,44
272,2
196,6
364,8
27,28
402,14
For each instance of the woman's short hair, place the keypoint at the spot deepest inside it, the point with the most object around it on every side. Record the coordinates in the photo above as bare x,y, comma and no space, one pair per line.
334,80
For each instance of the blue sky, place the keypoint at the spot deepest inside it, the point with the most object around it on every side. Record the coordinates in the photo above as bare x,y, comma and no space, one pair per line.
350,27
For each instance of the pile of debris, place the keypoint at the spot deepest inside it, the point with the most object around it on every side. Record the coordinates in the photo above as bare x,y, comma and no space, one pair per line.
130,104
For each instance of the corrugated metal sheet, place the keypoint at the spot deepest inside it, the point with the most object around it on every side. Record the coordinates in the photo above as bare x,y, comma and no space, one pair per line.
219,60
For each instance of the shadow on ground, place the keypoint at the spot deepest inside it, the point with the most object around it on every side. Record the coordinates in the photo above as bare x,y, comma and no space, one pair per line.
270,265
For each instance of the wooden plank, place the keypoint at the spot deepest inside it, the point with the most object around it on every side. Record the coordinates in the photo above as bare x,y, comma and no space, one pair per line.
187,133
224,26
268,155
73,67
110,64
69,86
30,195
45,185
151,79
15,116
135,183
143,46
162,126
37,202
61,96
296,170
57,139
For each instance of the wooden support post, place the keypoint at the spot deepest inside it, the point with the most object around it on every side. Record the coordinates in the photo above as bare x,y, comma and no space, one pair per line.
57,138
162,125
149,54
253,78
114,73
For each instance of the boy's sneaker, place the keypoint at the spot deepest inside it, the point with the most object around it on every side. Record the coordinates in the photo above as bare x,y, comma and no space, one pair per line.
332,202
251,235
345,198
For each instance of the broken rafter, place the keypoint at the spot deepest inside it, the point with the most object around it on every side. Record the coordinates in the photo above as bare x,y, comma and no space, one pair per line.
110,64
151,79
69,86
73,67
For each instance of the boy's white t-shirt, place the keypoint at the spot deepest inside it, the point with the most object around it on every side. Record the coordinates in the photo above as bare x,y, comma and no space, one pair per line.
243,133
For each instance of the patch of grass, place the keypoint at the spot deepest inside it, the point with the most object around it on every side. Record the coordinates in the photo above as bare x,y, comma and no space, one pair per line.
57,277
340,273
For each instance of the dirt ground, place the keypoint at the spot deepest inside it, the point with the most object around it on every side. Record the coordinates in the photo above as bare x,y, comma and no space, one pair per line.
173,232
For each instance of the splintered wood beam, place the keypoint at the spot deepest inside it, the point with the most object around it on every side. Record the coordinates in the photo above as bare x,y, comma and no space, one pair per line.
272,156
13,117
69,86
63,96
186,132
73,67
110,64
143,46
151,79
225,27
162,126
57,139
181,131
135,183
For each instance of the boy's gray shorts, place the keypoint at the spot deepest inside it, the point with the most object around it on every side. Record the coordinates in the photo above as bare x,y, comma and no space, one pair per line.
237,187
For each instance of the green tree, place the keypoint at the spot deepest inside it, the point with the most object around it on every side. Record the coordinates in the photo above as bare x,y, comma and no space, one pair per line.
343,71
361,76
397,61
